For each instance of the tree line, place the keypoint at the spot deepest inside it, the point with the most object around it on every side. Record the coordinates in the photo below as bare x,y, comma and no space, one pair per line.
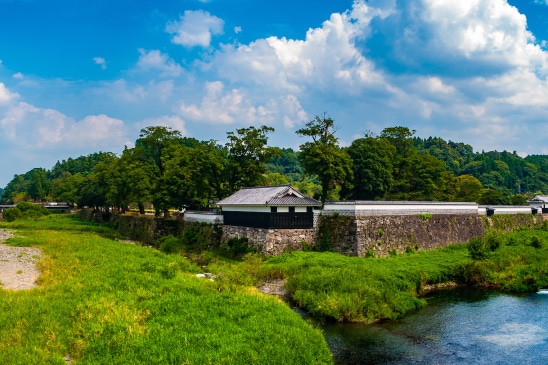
166,170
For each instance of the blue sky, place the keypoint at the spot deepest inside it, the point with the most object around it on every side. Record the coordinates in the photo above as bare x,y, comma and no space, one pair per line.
80,77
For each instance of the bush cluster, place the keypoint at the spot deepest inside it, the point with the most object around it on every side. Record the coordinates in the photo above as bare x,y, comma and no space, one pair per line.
24,210
480,248
237,247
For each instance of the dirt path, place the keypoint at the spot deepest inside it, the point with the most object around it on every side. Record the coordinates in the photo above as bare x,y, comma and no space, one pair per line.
18,269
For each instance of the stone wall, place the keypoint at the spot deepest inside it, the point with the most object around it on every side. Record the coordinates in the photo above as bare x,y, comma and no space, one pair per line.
350,235
272,241
380,235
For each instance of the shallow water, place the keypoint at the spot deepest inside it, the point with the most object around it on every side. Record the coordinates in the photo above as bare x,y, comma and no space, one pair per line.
460,326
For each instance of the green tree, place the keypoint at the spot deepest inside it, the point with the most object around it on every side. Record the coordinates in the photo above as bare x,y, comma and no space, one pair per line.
138,177
193,174
248,154
372,168
156,141
287,164
323,157
66,188
494,197
469,189
16,187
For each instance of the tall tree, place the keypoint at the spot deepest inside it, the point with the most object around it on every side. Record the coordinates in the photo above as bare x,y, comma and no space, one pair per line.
323,156
372,168
193,174
156,141
248,153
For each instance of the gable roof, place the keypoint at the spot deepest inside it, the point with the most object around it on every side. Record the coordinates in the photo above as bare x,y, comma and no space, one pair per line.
283,195
539,199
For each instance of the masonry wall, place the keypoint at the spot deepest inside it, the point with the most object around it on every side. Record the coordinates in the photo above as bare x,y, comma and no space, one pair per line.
379,235
272,241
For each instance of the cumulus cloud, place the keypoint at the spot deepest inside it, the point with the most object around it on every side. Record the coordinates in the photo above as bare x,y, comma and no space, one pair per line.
460,69
195,28
326,59
101,62
6,96
46,129
156,60
219,106
458,38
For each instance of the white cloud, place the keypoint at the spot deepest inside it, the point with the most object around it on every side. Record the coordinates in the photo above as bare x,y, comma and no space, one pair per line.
487,30
237,30
47,129
195,28
467,69
18,76
6,96
326,61
101,62
156,60
219,106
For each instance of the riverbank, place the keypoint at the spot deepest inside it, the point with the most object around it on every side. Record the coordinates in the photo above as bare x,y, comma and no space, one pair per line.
333,287
18,269
100,300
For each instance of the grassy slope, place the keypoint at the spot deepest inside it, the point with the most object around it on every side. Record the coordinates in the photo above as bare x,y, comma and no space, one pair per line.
105,301
342,288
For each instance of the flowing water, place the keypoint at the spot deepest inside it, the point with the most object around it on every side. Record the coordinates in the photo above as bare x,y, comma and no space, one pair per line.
461,326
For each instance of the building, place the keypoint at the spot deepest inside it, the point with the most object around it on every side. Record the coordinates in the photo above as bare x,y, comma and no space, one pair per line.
539,202
269,207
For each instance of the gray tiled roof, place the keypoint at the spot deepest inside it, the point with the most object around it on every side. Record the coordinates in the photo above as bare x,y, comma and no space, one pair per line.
539,198
269,195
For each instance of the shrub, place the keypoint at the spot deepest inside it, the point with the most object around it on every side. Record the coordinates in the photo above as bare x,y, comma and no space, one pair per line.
481,247
478,249
25,210
409,249
170,244
238,247
381,232
12,214
197,236
536,242
493,240
425,216
325,245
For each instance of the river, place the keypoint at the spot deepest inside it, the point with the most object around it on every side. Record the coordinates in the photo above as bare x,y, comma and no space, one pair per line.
459,326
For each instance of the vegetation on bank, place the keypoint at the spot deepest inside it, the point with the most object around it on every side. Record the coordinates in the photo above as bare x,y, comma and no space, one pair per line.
106,301
102,300
336,287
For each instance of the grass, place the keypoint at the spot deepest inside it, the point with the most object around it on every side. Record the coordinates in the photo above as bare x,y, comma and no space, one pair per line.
340,288
336,287
105,301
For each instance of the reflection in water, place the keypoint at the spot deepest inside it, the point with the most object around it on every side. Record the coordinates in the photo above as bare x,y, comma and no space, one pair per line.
462,326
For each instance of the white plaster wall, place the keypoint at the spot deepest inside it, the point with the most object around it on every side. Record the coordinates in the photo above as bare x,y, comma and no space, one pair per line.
203,217
261,209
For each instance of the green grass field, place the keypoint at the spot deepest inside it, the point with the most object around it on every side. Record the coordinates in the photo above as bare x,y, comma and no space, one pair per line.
108,302
340,288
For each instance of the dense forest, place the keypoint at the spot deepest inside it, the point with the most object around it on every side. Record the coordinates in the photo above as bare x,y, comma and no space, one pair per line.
166,170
